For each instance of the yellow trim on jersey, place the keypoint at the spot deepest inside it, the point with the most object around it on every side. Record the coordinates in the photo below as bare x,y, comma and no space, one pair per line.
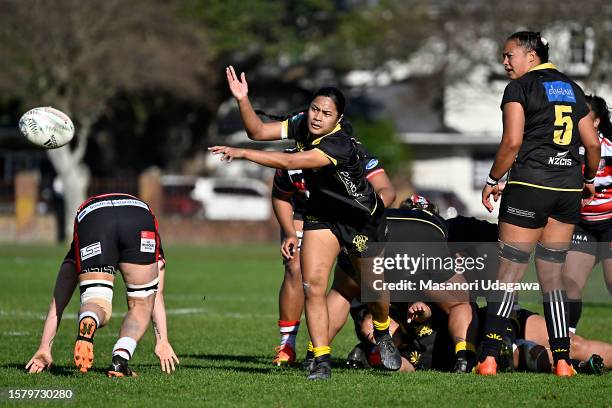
418,219
546,65
544,187
285,129
375,207
318,140
334,161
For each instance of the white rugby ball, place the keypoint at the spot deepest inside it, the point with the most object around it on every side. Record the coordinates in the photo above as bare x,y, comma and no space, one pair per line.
46,127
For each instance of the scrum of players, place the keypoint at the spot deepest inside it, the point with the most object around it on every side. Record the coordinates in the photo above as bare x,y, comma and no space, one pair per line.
333,199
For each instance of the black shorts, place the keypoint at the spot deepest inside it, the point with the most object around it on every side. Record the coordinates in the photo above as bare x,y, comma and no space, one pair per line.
364,238
111,229
593,239
518,322
530,207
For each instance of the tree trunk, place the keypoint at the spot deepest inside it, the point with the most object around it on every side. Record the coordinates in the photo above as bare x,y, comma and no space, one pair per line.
73,173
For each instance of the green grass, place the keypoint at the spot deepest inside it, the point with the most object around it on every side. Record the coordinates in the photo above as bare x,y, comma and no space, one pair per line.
222,304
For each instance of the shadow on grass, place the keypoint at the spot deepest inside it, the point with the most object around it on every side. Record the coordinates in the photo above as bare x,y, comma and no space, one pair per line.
58,370
337,364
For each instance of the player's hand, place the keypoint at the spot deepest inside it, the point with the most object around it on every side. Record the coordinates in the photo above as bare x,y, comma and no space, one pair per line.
167,358
588,193
227,153
489,191
239,87
39,362
419,312
289,247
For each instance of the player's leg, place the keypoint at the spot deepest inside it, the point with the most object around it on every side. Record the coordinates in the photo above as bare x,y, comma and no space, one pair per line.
581,348
344,289
462,327
290,305
516,245
320,247
135,232
576,271
578,265
141,282
378,306
95,312
550,255
95,256
607,271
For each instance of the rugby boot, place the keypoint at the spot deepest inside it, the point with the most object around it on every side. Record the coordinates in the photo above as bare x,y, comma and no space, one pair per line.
593,366
358,357
487,367
119,368
309,361
389,354
83,347
321,369
564,369
461,365
285,355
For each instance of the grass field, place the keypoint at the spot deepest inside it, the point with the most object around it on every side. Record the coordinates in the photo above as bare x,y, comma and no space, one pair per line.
222,311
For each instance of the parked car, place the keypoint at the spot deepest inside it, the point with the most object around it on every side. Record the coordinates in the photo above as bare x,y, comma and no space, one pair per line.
233,198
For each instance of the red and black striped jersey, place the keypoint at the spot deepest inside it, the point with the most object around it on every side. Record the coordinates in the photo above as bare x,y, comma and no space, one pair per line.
600,209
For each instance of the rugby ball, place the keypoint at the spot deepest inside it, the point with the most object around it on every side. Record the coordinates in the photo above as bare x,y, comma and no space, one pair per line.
46,127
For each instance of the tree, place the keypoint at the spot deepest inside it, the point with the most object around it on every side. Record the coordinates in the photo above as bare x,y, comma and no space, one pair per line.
75,56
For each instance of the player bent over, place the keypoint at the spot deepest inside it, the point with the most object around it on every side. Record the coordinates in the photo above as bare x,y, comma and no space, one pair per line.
110,231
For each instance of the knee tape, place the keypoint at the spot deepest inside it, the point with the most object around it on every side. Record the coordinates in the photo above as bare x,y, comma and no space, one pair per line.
142,291
513,254
100,293
550,254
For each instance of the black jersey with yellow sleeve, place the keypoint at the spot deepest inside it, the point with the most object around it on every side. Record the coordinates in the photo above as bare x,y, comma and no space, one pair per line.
339,190
290,184
553,104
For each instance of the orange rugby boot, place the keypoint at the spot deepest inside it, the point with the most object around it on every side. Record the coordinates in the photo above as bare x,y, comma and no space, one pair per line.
487,367
83,348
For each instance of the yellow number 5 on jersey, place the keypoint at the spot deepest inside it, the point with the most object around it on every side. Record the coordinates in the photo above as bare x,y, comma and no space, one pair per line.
563,120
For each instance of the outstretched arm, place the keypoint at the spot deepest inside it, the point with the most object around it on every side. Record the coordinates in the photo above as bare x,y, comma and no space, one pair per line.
309,159
163,349
255,128
64,288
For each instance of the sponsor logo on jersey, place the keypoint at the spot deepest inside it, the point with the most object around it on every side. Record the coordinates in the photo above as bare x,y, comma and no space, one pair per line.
91,251
147,241
560,160
559,91
371,164
351,187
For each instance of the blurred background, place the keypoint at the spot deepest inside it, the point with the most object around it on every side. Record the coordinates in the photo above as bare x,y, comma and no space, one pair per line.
144,84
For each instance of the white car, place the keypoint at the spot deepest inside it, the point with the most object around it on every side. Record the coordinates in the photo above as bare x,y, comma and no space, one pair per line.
233,198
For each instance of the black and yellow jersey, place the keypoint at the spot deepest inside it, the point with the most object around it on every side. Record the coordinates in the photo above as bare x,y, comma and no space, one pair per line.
553,105
290,184
340,190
